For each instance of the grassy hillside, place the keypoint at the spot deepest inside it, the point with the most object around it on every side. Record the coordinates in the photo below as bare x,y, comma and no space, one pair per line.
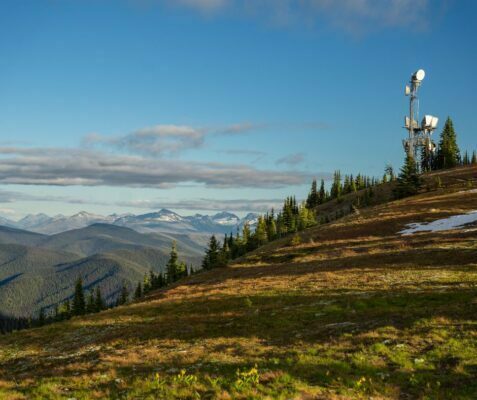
42,270
356,311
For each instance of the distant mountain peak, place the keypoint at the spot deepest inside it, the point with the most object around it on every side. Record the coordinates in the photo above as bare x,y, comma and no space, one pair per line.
163,220
226,219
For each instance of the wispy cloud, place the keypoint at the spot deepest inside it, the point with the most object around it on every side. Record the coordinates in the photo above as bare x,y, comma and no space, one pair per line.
84,167
349,15
166,140
244,152
292,159
7,211
153,141
237,129
7,196
203,6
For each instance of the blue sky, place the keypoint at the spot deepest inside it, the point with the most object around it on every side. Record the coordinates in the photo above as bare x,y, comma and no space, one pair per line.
203,105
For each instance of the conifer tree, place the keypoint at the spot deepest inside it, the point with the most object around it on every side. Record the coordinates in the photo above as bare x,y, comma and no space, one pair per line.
153,281
65,309
138,291
148,281
313,197
306,218
211,258
79,305
322,194
245,233
182,270
172,265
272,228
98,300
336,187
225,250
90,303
474,158
261,231
41,317
448,154
408,182
124,294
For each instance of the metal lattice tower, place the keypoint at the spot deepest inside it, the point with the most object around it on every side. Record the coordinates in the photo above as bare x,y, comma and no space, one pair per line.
420,136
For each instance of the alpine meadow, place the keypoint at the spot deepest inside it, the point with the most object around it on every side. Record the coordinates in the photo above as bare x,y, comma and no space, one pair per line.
224,199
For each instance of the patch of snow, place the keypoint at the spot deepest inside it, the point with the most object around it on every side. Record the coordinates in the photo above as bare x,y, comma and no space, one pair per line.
444,224
227,221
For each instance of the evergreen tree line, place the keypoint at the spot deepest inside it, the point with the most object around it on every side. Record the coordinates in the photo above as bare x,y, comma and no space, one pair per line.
9,324
175,270
78,305
292,218
83,303
342,186
447,154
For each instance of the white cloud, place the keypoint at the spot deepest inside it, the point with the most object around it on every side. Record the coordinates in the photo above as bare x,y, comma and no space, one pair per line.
292,159
7,211
237,129
73,167
154,141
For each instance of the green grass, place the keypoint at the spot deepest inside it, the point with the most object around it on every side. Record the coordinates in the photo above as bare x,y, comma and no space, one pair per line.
355,311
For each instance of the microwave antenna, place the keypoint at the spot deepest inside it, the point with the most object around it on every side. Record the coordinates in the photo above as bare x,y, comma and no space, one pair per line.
419,143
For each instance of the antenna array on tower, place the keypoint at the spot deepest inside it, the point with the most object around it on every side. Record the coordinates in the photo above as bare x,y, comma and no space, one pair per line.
420,135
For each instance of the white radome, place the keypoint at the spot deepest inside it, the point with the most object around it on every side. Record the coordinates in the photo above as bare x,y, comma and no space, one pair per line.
420,75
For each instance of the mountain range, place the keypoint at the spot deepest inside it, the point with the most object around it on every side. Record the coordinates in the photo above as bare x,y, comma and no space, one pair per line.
41,257
39,271
160,221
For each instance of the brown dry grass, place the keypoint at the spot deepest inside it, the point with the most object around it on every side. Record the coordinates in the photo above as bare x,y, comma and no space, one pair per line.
355,311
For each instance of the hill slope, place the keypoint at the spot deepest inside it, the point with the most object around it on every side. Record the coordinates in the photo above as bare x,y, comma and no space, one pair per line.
101,238
357,311
18,236
39,271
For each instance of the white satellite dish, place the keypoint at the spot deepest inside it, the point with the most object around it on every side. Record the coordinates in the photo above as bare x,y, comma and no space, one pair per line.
420,75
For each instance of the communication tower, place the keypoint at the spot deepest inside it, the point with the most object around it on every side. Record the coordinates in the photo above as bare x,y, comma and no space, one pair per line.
420,135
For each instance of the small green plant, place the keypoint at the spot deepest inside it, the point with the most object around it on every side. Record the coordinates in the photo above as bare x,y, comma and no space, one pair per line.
469,183
296,240
439,183
247,378
364,384
248,303
185,379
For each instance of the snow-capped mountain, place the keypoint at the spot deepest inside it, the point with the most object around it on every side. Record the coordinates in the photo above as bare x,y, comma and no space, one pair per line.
42,223
7,222
160,221
226,219
251,219
32,221
164,221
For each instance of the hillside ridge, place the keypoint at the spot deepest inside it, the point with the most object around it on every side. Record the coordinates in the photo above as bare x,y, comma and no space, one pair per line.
355,310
